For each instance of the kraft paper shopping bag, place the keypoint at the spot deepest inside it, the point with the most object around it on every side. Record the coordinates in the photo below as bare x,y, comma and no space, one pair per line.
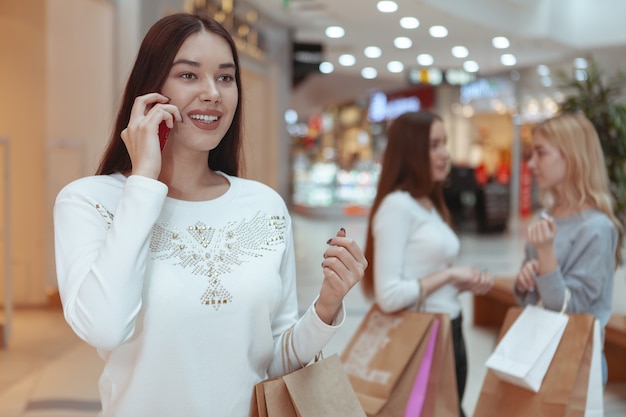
319,389
417,397
563,392
383,357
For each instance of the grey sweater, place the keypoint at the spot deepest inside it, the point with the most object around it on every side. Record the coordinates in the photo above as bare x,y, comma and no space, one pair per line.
585,247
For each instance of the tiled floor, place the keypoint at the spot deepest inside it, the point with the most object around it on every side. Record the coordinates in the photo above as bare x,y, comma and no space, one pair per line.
48,372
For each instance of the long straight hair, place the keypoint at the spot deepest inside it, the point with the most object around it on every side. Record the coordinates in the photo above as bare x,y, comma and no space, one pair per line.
587,180
406,167
152,66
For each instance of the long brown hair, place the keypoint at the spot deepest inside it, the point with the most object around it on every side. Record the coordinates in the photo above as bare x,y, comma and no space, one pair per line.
152,66
406,167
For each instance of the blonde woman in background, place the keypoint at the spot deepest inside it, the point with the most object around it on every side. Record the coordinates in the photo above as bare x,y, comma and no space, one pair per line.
575,243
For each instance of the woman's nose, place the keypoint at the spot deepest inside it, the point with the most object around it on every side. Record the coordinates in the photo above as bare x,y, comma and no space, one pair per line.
210,92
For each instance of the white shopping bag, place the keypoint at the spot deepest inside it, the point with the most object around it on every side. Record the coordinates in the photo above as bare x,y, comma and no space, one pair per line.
525,352
595,390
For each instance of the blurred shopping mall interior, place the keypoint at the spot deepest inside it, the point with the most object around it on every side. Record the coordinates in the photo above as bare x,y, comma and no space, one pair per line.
321,81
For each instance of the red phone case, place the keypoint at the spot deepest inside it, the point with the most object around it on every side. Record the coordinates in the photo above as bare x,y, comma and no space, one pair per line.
163,134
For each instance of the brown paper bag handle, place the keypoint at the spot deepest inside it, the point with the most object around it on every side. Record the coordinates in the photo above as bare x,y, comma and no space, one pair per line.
566,298
421,297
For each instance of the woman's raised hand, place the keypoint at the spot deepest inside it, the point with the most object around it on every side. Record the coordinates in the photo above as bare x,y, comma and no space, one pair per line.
343,266
525,279
141,136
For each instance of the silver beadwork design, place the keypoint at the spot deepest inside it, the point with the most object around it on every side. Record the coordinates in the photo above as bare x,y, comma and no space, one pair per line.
212,252
106,215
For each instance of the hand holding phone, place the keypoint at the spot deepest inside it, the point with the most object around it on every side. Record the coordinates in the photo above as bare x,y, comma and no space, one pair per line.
164,132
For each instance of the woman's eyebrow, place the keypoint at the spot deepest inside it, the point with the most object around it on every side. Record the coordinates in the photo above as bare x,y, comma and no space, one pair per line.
197,64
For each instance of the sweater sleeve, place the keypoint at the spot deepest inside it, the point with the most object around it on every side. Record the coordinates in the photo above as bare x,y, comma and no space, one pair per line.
392,228
587,269
527,298
310,333
101,258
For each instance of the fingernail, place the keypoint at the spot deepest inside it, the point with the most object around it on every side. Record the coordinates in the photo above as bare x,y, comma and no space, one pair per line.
328,241
168,99
343,230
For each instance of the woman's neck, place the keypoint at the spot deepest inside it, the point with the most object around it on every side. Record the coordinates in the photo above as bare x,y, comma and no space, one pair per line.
561,209
194,182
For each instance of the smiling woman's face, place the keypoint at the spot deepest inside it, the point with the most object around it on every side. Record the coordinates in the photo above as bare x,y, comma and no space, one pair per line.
202,85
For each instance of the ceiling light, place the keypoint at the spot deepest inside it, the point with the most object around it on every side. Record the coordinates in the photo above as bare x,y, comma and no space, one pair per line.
409,22
335,32
470,66
347,60
508,60
291,116
386,6
500,42
402,42
395,66
326,67
372,52
425,60
460,52
580,63
369,73
438,31
543,70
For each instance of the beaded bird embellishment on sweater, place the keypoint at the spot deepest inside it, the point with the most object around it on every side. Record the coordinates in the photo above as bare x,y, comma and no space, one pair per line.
211,252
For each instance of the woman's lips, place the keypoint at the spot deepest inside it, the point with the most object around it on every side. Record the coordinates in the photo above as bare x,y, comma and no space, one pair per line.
206,120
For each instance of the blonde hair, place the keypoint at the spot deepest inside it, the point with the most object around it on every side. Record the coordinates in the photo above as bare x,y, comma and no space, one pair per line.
587,180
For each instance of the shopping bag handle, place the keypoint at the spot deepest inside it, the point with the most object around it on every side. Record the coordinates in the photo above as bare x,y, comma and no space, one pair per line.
421,297
568,295
566,298
288,345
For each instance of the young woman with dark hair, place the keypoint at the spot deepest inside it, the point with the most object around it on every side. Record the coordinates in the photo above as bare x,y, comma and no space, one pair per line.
410,243
179,272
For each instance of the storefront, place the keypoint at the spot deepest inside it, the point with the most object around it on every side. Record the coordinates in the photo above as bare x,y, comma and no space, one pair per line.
336,155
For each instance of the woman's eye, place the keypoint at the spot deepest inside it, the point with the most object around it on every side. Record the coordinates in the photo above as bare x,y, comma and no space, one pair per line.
188,75
228,78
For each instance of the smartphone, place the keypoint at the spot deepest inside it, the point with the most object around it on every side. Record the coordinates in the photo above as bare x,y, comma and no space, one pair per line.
164,132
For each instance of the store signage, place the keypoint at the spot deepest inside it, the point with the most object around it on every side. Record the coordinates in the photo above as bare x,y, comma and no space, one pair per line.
380,109
459,77
432,76
242,26
483,88
307,58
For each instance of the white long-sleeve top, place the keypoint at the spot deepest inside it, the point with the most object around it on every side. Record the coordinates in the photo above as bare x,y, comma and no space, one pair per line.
185,301
410,243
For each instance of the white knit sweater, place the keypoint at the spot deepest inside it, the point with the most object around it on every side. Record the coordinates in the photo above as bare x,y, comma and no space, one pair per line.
185,301
410,243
